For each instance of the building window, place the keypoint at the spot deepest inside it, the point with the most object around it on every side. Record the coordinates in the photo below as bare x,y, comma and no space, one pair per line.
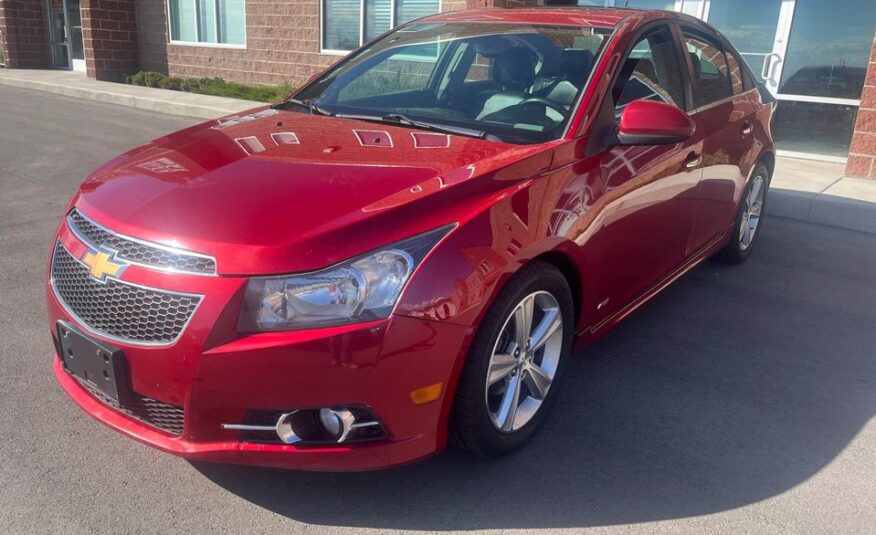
207,21
347,24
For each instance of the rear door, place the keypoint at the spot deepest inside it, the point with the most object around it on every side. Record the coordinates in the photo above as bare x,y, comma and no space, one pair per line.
723,110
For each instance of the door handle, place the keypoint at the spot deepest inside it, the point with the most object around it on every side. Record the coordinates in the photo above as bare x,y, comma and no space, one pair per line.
767,71
746,129
694,159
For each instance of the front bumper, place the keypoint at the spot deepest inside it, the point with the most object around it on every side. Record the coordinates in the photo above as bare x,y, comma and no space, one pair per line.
216,375
256,374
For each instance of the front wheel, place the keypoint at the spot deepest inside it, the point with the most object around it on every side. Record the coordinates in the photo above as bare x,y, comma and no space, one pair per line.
749,218
516,361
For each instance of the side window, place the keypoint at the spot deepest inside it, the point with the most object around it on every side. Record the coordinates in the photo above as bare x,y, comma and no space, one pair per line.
711,74
651,71
479,70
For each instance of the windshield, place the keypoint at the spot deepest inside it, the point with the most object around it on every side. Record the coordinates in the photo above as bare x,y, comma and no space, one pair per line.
514,82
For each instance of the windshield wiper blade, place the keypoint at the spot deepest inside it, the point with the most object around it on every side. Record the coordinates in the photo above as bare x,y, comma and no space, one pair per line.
306,103
398,118
447,129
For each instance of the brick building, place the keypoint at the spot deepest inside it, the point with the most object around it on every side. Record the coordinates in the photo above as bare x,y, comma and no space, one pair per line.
816,56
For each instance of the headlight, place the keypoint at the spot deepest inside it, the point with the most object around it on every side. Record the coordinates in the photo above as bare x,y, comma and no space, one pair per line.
362,289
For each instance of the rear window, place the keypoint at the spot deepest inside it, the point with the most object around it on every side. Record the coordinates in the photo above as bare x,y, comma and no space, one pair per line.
711,74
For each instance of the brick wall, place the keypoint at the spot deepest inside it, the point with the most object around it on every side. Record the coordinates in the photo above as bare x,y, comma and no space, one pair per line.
109,34
282,43
24,34
862,154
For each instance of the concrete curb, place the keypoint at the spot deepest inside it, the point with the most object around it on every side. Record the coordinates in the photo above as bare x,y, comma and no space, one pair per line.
824,208
144,98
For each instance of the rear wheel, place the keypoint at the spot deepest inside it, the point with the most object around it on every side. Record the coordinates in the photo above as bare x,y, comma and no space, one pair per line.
749,218
516,361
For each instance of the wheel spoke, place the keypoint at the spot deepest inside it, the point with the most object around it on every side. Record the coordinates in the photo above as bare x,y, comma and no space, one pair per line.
508,409
538,381
549,324
755,198
744,230
523,321
501,366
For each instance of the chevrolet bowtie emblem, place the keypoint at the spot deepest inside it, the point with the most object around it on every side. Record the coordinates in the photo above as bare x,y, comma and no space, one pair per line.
101,265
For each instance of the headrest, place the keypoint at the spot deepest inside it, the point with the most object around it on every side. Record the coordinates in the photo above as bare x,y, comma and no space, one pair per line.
514,69
576,64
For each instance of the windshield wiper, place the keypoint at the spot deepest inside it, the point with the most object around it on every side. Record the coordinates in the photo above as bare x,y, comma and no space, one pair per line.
306,103
398,118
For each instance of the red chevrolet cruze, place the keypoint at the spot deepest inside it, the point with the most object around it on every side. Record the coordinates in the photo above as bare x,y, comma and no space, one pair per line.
406,251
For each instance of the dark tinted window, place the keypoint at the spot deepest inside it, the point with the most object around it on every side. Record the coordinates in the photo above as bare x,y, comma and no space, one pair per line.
652,71
711,75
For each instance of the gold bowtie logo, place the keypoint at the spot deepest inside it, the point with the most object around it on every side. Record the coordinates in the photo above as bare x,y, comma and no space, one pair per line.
100,265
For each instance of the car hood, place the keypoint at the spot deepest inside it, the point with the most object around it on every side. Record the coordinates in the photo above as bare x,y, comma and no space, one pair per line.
280,191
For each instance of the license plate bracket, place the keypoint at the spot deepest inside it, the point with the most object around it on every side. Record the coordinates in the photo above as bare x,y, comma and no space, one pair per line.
101,364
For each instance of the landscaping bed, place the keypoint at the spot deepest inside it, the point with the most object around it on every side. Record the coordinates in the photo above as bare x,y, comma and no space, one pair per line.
211,86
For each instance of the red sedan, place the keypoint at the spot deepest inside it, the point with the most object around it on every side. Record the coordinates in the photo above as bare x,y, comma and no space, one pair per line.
406,251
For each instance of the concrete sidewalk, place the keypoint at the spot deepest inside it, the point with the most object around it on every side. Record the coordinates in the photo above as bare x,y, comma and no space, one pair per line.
801,189
817,191
75,84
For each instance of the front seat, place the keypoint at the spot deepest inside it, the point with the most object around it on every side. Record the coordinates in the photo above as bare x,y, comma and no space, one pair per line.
563,87
514,71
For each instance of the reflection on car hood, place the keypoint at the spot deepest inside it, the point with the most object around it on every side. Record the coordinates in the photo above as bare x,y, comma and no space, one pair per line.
280,191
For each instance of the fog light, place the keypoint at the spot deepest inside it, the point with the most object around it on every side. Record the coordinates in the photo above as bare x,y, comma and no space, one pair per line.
336,424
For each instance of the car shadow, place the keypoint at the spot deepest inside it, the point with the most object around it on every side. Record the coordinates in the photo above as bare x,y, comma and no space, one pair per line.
734,385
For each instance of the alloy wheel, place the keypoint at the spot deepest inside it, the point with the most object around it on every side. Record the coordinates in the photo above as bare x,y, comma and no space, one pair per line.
753,212
524,361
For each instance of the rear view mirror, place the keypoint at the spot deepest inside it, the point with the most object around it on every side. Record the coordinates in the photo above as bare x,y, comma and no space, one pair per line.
648,122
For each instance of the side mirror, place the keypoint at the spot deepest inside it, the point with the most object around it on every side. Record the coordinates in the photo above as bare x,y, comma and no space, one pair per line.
648,122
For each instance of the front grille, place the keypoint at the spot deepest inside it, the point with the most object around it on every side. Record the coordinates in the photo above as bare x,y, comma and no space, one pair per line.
160,415
149,255
119,310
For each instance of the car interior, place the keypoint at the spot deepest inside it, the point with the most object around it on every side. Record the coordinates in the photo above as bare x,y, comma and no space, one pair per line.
524,81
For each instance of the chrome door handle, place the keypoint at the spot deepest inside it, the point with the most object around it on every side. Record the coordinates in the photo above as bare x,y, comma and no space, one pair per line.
694,159
746,129
767,70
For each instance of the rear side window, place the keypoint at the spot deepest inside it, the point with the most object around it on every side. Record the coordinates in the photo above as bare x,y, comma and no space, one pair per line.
711,74
652,71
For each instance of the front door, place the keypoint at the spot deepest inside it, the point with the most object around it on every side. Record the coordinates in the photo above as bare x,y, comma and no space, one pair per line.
650,190
65,34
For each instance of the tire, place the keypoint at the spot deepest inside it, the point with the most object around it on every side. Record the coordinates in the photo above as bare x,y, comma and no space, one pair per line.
739,248
478,423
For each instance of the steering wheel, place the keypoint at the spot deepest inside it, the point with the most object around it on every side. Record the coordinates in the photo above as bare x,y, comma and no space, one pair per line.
559,108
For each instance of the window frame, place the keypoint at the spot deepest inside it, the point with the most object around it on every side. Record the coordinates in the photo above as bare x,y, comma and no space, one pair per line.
172,41
340,52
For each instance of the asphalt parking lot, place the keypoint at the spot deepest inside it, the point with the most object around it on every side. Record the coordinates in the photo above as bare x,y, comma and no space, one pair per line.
739,400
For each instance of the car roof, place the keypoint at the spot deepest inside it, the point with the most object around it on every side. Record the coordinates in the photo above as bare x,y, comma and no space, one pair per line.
597,17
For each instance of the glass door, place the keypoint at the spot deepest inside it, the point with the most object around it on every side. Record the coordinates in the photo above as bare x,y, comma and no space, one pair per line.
65,34
58,34
74,26
812,55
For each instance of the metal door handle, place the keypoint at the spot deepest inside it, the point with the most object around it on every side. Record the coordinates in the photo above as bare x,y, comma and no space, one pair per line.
694,159
767,71
746,129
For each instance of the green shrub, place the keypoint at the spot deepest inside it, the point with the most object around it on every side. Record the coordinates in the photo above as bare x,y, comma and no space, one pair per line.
211,86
